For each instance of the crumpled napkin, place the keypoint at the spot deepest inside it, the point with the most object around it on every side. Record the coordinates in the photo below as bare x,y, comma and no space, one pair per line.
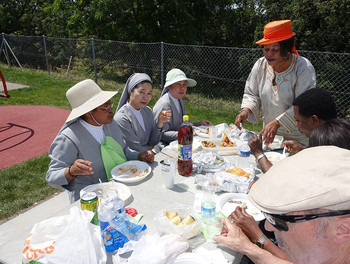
153,249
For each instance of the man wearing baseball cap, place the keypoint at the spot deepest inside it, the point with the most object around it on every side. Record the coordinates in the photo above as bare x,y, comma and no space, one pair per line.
306,202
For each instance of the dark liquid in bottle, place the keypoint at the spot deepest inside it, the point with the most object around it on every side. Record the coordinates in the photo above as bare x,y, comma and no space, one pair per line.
185,139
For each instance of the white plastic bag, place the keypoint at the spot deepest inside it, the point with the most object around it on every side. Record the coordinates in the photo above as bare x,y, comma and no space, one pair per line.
165,226
65,239
154,249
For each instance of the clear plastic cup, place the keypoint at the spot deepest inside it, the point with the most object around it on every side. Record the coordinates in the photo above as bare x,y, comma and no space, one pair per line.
168,170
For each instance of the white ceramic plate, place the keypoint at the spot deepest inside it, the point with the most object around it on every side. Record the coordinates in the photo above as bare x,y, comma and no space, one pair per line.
189,258
227,208
131,171
122,190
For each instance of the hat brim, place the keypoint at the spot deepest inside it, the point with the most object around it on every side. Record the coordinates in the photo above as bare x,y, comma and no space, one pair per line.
91,104
190,82
265,41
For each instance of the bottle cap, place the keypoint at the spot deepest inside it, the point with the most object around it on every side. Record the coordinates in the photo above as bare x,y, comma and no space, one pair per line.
185,118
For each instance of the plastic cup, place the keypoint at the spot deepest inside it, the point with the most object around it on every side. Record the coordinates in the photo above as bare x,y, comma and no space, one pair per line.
212,132
213,229
168,171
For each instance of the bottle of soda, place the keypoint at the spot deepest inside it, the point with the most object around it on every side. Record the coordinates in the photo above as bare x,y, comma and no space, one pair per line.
185,140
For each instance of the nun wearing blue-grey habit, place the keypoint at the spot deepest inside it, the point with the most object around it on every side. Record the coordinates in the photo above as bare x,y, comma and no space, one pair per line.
140,131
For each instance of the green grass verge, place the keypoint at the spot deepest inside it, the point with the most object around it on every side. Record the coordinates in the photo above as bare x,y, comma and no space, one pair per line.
24,184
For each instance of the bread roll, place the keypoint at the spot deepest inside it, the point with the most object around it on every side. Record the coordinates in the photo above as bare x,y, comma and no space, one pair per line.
176,220
170,214
188,220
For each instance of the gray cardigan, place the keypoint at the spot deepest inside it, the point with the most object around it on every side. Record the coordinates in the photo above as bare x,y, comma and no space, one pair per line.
135,137
170,128
75,142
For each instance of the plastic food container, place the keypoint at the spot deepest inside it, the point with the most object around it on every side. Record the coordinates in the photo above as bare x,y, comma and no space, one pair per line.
221,150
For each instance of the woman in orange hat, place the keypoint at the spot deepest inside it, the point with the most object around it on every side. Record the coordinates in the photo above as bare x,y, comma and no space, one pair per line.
275,80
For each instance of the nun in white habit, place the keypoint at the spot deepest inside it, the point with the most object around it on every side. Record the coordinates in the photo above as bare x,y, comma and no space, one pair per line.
140,131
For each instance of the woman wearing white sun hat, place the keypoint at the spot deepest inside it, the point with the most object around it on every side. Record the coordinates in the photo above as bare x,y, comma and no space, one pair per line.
80,153
171,99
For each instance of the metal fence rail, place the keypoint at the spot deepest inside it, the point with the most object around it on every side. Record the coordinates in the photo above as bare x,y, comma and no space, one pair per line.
221,72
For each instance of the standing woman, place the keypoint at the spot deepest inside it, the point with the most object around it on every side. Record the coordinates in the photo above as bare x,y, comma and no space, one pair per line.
171,99
275,80
135,118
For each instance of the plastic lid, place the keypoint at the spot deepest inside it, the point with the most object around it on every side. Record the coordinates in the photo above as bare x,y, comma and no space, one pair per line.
186,118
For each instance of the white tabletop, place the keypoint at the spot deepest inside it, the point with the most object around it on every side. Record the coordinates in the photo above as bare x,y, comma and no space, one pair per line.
149,197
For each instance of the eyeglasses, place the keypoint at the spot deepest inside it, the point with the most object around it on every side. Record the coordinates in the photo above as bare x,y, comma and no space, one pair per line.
279,221
108,107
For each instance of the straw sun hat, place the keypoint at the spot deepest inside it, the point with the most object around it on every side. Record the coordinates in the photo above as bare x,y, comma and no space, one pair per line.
86,96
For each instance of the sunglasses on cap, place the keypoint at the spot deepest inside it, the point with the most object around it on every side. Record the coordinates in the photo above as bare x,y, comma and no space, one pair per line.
279,221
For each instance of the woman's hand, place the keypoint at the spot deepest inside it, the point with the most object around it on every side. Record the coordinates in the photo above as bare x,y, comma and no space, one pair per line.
163,117
293,146
241,118
81,167
147,156
269,131
203,123
247,223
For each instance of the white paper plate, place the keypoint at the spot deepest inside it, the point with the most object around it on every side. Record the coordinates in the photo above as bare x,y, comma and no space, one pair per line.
195,146
227,208
122,190
189,258
274,157
201,131
123,173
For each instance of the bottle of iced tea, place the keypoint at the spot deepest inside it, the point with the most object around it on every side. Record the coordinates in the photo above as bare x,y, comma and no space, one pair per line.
185,139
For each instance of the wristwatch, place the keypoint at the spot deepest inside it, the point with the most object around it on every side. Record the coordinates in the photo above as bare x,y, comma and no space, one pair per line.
261,241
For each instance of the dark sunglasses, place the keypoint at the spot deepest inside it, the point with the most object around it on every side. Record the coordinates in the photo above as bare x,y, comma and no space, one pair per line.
279,221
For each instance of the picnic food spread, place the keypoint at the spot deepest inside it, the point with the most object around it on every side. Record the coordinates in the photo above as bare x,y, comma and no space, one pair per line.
176,219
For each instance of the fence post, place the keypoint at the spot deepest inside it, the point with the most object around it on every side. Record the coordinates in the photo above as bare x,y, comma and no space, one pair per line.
5,50
161,64
46,57
93,58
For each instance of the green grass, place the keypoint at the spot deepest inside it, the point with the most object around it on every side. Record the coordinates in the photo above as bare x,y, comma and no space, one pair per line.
24,185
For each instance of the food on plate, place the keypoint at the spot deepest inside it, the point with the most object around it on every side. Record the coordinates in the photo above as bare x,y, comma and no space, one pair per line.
143,173
176,219
132,170
234,201
226,142
208,144
188,220
238,172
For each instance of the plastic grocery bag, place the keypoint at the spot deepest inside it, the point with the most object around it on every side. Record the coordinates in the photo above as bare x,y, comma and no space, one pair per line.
65,239
166,226
153,249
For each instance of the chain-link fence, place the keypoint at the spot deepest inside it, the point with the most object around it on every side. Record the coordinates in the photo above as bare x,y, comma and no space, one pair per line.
221,72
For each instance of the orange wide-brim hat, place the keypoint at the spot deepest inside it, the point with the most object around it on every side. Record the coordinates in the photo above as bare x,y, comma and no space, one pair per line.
276,31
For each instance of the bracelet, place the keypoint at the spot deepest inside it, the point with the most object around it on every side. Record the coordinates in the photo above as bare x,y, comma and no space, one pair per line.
260,157
70,172
160,128
243,109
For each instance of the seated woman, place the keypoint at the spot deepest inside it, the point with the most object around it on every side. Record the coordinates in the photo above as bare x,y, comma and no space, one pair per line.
77,153
171,99
135,118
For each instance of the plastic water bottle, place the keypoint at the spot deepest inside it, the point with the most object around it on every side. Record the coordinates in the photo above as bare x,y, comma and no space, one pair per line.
113,225
243,156
208,205
185,140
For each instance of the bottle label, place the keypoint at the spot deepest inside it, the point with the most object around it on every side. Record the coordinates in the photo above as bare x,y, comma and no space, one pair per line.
208,209
244,153
185,152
